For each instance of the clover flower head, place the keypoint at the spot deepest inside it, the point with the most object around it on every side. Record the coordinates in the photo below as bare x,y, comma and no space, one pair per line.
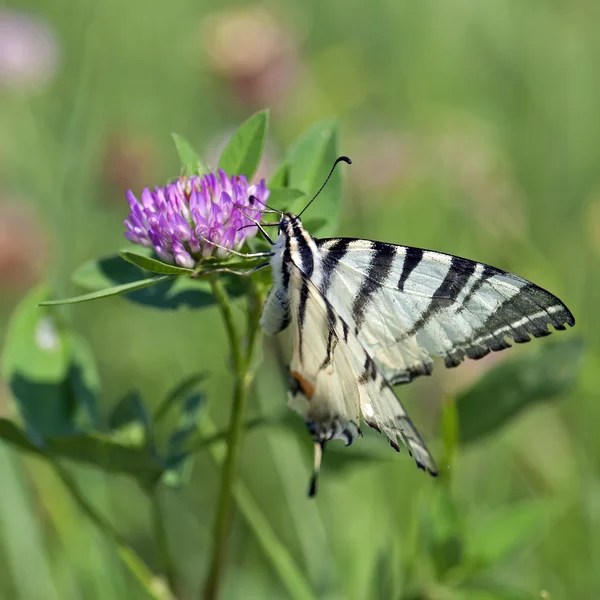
184,220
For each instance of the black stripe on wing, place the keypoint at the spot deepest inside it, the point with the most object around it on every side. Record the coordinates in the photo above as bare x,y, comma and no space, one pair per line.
302,315
487,273
306,254
383,256
412,259
330,259
528,313
331,336
457,277
285,269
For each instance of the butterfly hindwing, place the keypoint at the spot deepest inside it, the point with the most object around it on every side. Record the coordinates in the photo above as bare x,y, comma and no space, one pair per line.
342,380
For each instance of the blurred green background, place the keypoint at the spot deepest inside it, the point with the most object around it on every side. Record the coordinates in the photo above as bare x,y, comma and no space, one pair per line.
473,130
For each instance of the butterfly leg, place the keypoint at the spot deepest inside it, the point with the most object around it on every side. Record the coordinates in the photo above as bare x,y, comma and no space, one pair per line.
333,429
256,224
264,233
322,433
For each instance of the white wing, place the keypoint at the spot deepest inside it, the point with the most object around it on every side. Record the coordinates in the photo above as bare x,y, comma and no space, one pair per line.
408,303
334,380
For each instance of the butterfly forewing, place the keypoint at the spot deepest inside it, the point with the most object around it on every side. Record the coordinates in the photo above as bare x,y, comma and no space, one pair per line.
408,303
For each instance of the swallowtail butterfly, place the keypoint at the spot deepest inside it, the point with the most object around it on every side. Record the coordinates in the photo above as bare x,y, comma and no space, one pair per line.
368,315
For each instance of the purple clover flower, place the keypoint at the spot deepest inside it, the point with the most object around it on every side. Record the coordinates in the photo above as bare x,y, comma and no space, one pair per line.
183,220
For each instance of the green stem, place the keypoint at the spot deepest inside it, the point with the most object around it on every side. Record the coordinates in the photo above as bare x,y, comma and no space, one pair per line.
161,538
127,554
291,575
242,365
224,303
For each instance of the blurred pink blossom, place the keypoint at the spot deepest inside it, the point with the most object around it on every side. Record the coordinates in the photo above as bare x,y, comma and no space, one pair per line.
129,162
254,51
24,255
382,159
29,53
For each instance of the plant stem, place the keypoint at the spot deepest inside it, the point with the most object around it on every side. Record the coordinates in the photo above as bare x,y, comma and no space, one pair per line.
224,303
161,538
223,518
128,555
290,574
242,365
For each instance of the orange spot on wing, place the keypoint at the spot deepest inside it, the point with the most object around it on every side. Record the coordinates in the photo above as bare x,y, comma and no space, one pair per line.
308,389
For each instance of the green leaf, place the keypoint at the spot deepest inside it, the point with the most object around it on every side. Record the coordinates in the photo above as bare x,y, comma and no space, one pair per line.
51,371
93,450
498,535
171,294
84,380
284,198
130,422
515,384
281,177
36,344
179,459
310,161
100,273
242,154
38,366
153,265
441,530
447,554
112,291
190,161
177,394
179,462
125,411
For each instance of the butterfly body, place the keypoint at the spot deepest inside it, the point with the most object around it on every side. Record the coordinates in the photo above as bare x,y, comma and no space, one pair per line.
367,315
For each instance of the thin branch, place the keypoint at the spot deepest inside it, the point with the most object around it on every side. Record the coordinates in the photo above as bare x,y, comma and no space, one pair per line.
161,539
128,555
241,362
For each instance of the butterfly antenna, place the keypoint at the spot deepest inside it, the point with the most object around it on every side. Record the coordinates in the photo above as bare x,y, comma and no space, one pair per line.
337,160
319,449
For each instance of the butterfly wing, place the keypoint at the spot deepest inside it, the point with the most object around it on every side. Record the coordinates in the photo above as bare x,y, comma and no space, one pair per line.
407,304
334,380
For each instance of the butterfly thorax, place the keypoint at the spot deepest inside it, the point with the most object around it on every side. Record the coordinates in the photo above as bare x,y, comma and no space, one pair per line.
292,245
295,244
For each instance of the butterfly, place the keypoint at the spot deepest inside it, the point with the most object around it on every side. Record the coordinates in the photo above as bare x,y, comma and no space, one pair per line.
368,315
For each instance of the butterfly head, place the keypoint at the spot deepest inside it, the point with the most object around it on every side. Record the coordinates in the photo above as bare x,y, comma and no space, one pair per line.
288,222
